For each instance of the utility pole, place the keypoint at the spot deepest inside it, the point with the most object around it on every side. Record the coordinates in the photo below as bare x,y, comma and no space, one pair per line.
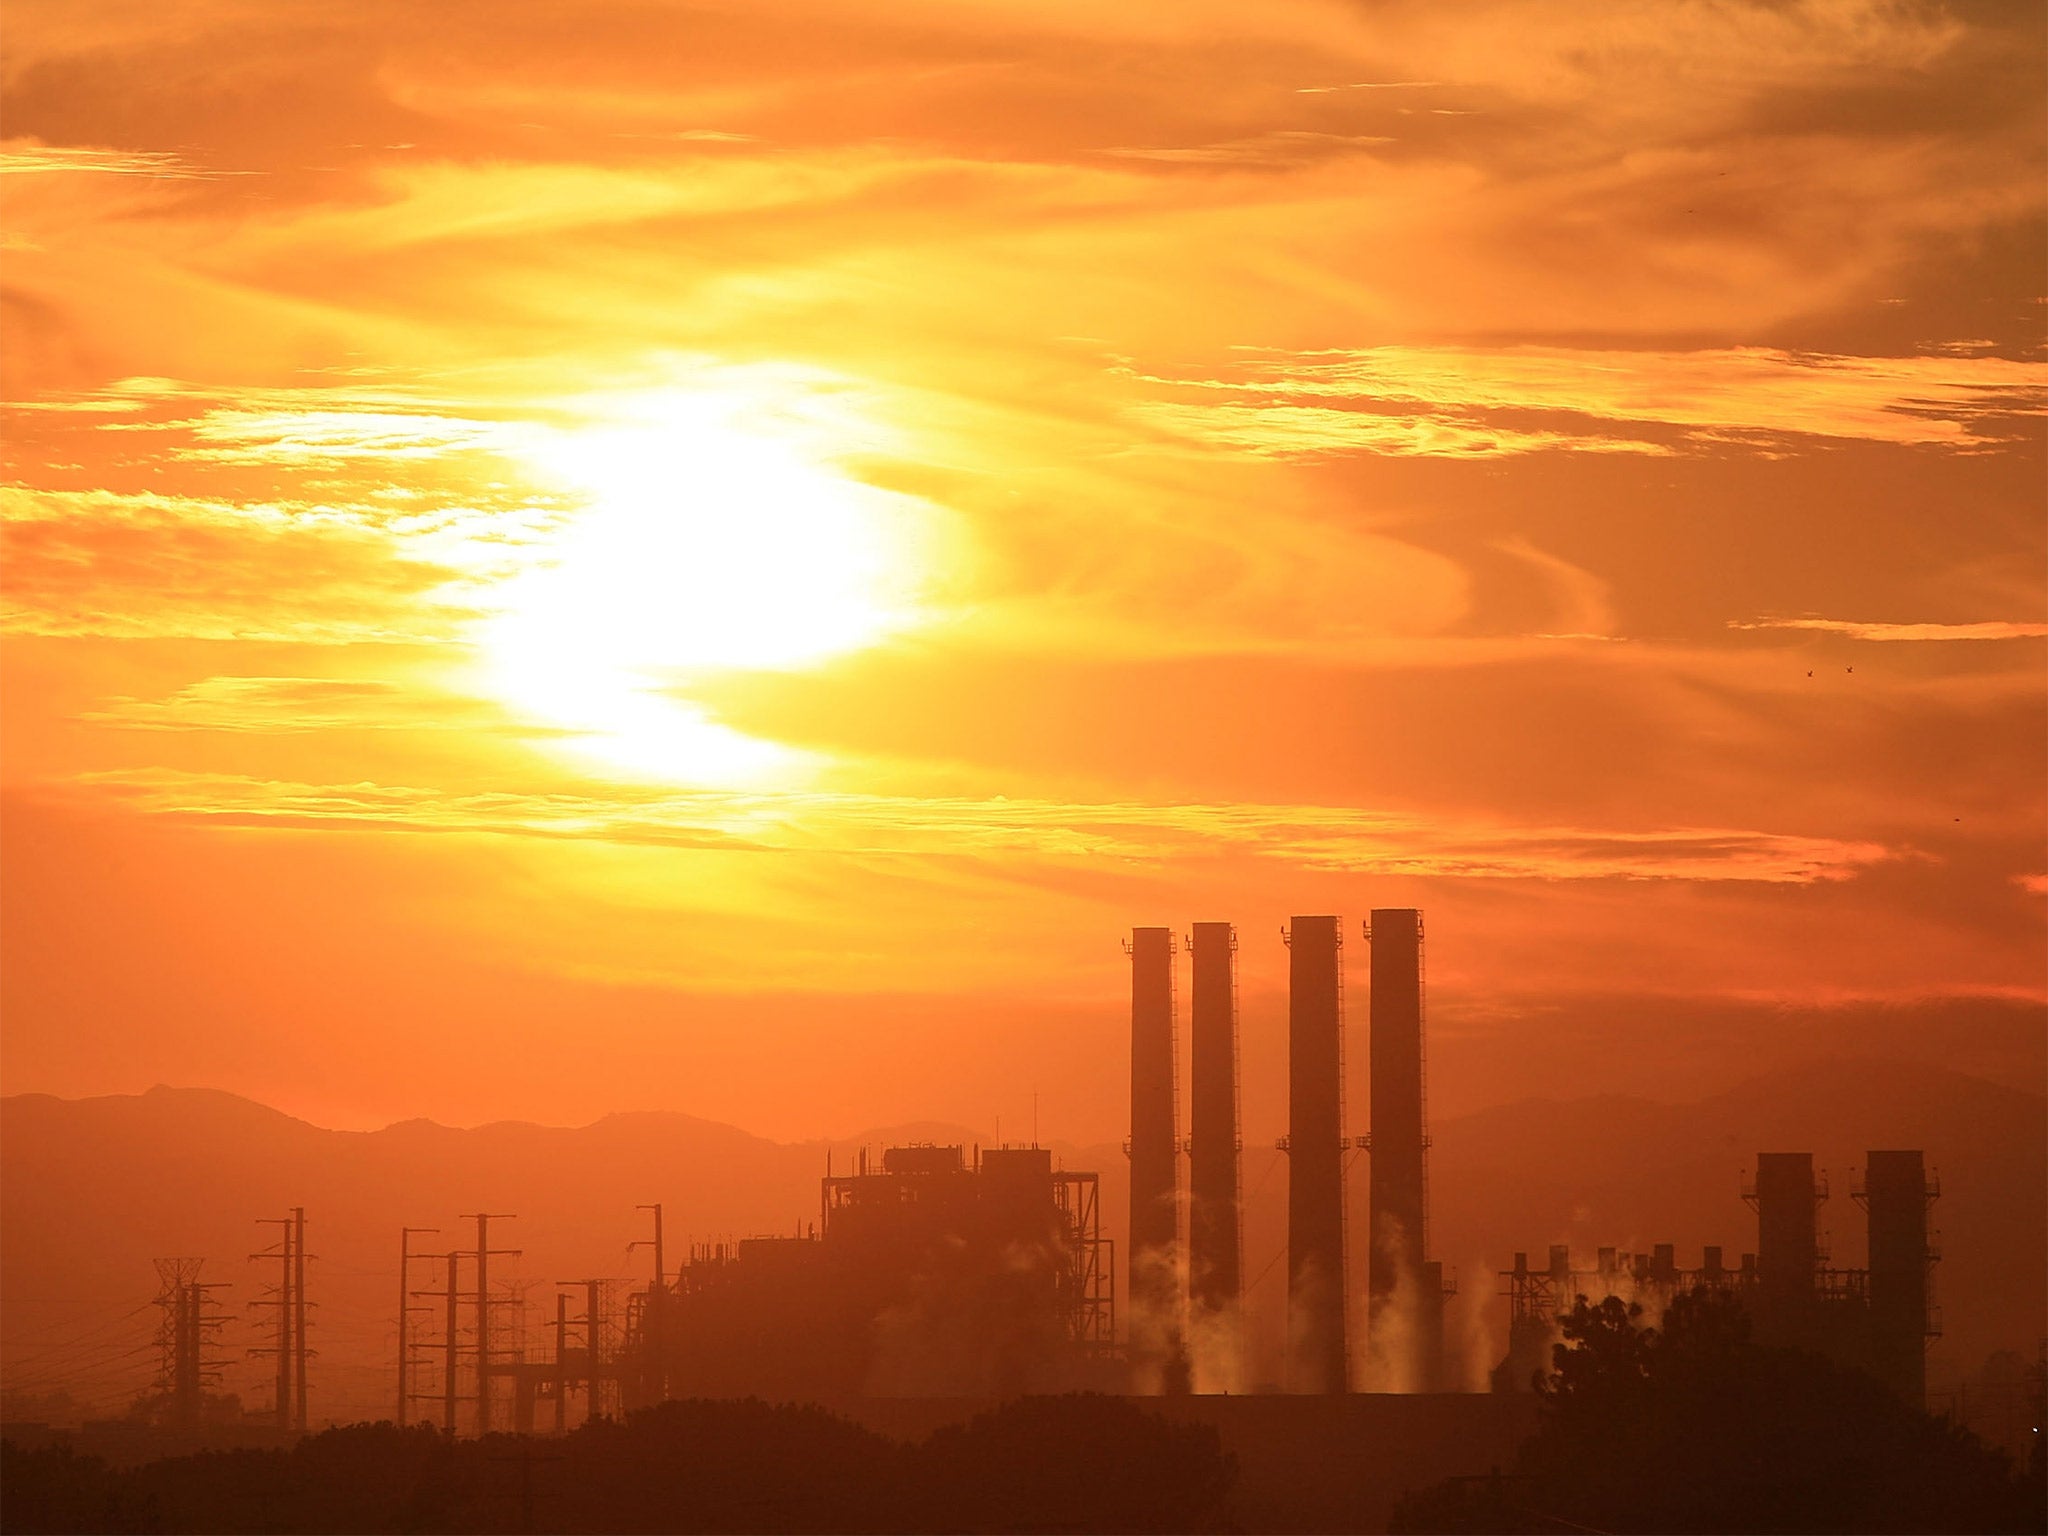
596,1373
657,1340
593,1331
299,1316
593,1343
484,1254
450,1295
281,1299
405,1236
561,1362
660,1268
448,1372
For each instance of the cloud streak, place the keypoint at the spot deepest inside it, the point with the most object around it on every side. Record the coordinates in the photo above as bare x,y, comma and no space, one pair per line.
294,706
142,566
1736,396
1324,838
1271,431
27,158
1988,629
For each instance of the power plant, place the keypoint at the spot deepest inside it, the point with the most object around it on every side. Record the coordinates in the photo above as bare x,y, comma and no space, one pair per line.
954,1270
1877,1320
1404,1317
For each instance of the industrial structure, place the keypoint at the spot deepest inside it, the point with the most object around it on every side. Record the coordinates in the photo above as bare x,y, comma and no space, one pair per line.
946,1270
1318,1358
1215,1220
1157,1348
1405,1288
930,1272
1877,1320
187,1365
1895,1194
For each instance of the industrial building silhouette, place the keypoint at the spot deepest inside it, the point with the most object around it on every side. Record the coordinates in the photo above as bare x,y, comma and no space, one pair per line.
1405,1290
1877,1319
931,1271
983,1272
969,1271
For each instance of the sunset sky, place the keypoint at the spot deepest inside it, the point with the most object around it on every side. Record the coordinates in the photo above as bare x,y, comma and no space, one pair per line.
575,557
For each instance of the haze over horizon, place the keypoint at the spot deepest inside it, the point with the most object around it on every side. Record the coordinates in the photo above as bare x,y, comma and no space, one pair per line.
876,1132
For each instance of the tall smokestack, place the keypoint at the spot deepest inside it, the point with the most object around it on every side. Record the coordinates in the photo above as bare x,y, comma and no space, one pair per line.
1315,1146
1786,1196
1896,1193
1215,1271
1405,1308
1154,1272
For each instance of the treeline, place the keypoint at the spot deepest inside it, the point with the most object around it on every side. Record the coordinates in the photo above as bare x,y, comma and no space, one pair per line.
1693,1427
1686,1427
1038,1464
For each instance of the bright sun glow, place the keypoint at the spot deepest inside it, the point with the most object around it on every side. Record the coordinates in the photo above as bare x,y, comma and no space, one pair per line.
702,545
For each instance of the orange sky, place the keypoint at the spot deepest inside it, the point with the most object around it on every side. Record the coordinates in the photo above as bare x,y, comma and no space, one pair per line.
565,557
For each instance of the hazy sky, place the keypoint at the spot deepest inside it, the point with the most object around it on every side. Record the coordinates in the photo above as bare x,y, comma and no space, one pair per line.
564,557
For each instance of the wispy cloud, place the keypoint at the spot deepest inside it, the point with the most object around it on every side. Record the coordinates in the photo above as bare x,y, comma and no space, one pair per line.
1722,396
142,566
1273,431
1366,85
326,421
1989,629
278,706
1328,838
27,158
1280,148
273,437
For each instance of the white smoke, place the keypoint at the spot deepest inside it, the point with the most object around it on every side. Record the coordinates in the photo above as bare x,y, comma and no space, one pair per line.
1155,1321
1472,1340
1312,1296
1395,1353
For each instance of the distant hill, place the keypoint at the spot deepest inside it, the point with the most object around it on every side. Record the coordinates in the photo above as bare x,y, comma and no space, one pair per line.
92,1190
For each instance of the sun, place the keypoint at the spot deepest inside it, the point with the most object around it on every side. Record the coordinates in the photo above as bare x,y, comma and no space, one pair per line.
701,544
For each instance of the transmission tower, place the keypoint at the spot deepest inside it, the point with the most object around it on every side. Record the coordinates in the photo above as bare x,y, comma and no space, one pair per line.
189,1322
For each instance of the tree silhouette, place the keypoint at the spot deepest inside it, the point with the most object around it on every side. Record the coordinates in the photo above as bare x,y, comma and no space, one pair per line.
1605,1358
1035,1464
1693,1427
